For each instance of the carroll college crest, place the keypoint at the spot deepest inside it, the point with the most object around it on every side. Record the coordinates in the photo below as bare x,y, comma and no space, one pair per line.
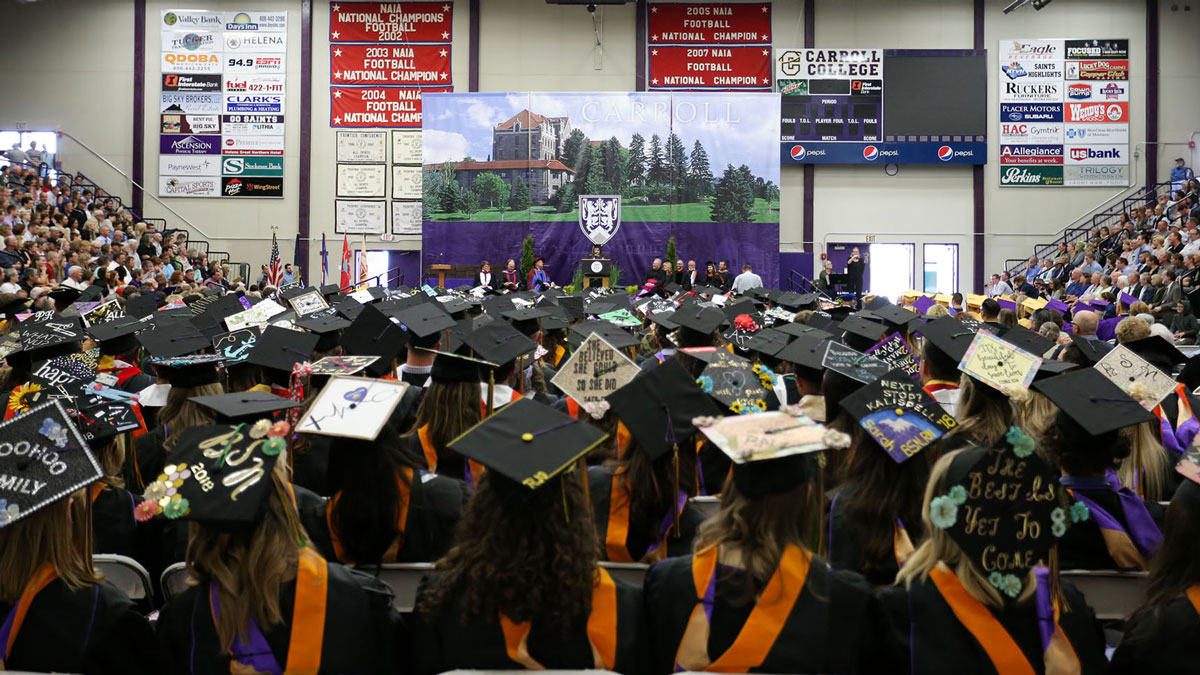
599,217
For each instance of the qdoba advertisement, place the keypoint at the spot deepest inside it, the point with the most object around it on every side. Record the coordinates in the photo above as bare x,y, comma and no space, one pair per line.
223,94
1064,112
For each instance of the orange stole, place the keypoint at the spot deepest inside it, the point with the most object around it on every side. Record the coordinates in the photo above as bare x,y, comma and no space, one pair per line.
1001,649
762,628
401,521
1193,595
601,629
618,526
41,579
431,457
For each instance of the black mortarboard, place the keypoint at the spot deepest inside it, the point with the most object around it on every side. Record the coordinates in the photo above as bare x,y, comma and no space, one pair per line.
703,320
117,336
613,334
1158,351
1051,368
14,304
46,329
175,339
603,306
896,318
794,301
949,336
853,364
500,343
802,330
55,462
244,405
665,318
453,368
1190,375
200,484
463,328
528,442
1026,339
877,302
330,290
63,295
768,341
838,313
1090,350
524,319
373,334
327,328
349,307
281,349
573,305
807,352
658,407
142,306
1094,402
494,305
896,412
90,294
863,329
188,371
425,319
556,318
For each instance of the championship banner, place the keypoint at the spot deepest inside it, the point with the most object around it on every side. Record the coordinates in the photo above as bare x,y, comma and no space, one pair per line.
377,106
715,23
391,22
709,46
645,166
1064,112
412,65
710,68
223,88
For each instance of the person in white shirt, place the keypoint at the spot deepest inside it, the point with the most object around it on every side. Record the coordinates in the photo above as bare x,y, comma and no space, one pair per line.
75,278
10,284
998,287
747,280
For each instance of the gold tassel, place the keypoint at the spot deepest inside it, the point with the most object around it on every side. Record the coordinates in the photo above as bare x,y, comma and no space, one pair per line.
521,375
583,475
566,511
675,494
818,499
491,392
289,513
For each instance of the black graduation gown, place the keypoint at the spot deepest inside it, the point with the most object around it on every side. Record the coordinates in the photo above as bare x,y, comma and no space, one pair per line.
310,468
362,631
1164,640
444,643
831,629
600,486
150,455
114,529
922,634
1082,547
434,506
95,629
845,549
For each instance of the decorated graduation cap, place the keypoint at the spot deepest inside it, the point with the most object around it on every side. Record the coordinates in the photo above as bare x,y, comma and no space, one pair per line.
218,475
342,365
741,329
1158,351
188,371
999,364
658,407
771,451
373,334
117,336
852,363
352,407
738,384
44,459
281,349
1093,401
1004,508
500,343
528,443
701,319
46,329
949,336
242,405
173,339
594,370
897,413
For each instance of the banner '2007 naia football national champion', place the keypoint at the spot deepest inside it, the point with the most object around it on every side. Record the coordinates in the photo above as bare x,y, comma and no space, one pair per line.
1064,112
702,167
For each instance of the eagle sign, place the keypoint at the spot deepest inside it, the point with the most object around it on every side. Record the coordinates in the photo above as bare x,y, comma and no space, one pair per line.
599,217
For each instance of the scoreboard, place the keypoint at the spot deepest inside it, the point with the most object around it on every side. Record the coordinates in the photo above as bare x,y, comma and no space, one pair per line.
863,106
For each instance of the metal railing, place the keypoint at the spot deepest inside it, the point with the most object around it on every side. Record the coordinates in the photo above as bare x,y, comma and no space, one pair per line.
386,276
802,284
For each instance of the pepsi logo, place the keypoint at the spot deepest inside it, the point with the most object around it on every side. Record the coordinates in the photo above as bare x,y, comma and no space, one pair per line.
870,153
798,152
945,153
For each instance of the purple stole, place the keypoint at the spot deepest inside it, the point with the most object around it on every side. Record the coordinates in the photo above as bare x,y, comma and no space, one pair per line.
1132,545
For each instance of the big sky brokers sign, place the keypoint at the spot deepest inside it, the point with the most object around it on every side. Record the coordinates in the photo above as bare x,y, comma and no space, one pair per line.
222,103
1064,112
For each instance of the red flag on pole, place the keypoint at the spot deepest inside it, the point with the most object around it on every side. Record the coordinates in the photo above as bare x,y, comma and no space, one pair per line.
345,281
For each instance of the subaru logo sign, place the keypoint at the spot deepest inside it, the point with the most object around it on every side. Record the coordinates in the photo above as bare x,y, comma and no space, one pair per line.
1014,116
798,152
945,153
870,153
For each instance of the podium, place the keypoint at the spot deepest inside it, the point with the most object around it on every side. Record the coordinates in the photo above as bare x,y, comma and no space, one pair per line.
596,272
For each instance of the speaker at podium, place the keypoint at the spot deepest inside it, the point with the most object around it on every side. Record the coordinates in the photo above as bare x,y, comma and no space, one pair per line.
596,271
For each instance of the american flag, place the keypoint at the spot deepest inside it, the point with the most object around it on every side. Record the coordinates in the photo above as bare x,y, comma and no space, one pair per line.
275,267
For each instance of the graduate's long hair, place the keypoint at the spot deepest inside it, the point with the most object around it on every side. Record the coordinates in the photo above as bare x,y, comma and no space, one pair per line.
755,532
56,534
527,554
449,408
248,565
650,485
370,489
1145,469
1176,567
877,491
1035,417
984,414
179,414
940,547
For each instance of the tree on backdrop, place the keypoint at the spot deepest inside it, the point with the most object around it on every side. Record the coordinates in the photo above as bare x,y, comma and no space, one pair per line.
575,143
470,203
656,162
700,177
677,165
520,199
734,202
635,166
492,189
526,256
671,250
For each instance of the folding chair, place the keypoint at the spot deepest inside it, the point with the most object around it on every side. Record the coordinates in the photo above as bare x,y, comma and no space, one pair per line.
174,580
126,574
1112,595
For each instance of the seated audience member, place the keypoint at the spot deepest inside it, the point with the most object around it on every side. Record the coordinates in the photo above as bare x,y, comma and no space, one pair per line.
484,277
989,311
520,587
510,277
1131,329
1184,325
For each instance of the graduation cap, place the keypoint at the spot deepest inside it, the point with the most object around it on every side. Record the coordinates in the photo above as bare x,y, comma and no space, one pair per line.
805,330
174,339
896,318
528,442
768,342
738,384
555,319
281,349
90,294
1025,509
244,405
63,295
949,336
330,290
451,368
923,304
117,336
188,371
495,305
327,328
202,485
1093,401
795,301
594,370
665,318
703,320
658,407
573,306
1050,368
342,365
46,329
56,461
1090,350
394,305
349,307
839,313
1190,375
613,334
11,304
807,352
1158,351
770,451
877,302
898,414
352,407
142,306
852,363
500,343
525,319
863,331
1026,339
603,306
373,334
425,319
453,306
743,306
464,327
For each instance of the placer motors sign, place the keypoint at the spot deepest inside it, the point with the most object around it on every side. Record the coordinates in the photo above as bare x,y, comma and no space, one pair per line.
224,89
1064,112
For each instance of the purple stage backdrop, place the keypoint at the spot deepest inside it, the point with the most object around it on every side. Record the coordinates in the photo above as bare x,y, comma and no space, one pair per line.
633,248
